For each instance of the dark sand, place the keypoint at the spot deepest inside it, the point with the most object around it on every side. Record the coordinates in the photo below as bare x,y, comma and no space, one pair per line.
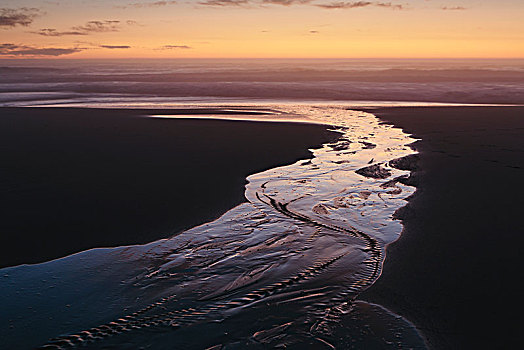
74,179
456,270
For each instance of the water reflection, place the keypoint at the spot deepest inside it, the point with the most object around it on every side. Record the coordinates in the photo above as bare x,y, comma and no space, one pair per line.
283,270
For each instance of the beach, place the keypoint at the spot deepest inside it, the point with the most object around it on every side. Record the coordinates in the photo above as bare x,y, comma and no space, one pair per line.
283,267
261,174
454,270
75,179
262,234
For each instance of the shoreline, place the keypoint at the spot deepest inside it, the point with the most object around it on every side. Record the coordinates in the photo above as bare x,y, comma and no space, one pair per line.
254,234
448,271
76,179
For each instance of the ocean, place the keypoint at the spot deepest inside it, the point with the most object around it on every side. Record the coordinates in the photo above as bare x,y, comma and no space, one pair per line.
145,83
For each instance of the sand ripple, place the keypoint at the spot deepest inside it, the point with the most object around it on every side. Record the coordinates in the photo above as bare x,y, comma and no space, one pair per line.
284,269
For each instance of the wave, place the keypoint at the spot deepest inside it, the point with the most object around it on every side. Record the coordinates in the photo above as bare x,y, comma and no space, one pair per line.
454,81
24,94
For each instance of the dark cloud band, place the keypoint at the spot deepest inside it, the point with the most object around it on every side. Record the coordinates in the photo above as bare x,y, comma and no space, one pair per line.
99,27
24,50
174,47
24,16
90,27
329,5
358,4
150,4
224,3
115,46
54,32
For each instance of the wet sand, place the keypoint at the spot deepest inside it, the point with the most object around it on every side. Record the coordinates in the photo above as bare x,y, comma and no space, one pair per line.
281,270
74,179
455,270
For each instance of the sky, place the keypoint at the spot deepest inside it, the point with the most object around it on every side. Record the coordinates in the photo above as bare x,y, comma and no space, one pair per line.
261,29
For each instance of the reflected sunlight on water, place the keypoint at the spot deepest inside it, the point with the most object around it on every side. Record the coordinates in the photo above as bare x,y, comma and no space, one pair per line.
283,270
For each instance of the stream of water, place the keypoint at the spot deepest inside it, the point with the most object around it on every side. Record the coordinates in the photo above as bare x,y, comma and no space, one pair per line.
283,270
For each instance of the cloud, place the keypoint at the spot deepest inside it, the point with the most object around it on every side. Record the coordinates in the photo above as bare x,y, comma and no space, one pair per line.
99,27
286,2
253,3
171,47
54,32
329,5
344,4
389,5
150,4
23,16
314,32
7,46
224,2
115,46
88,28
453,8
358,4
24,50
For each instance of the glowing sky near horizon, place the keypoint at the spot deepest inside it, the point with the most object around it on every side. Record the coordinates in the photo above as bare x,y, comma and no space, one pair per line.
261,28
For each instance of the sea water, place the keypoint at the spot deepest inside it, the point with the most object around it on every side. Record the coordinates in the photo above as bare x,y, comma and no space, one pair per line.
136,82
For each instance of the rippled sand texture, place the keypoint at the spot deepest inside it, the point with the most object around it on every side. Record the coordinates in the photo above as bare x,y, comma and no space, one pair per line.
284,269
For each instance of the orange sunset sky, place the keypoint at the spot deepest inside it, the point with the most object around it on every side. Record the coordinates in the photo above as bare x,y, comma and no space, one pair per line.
261,28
